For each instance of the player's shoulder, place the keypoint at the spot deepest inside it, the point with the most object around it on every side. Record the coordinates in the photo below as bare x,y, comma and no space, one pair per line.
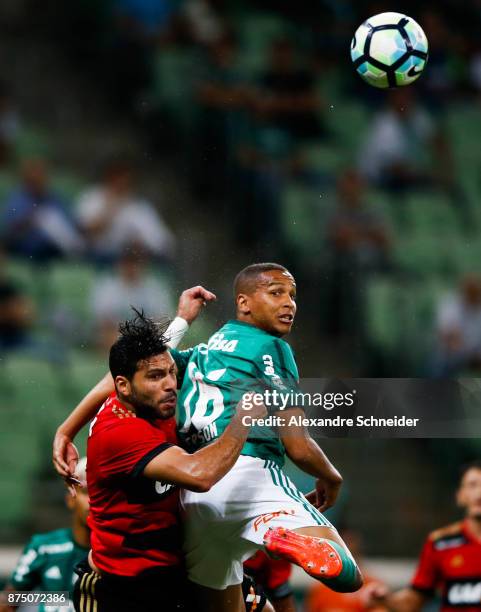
447,536
115,412
58,540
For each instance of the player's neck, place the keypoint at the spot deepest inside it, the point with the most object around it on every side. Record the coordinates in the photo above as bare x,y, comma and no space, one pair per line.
474,527
249,321
81,534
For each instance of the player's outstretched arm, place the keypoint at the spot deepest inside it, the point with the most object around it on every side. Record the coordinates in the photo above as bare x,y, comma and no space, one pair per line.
65,454
308,456
201,470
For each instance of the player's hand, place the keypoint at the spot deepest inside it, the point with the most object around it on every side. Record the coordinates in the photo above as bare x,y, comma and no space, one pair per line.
325,494
373,594
65,459
192,301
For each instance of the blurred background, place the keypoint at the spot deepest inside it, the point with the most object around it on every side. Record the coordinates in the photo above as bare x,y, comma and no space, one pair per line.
149,145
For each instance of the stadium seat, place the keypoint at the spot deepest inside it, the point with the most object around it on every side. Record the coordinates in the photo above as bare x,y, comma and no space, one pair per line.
68,186
70,288
382,313
430,212
257,32
348,122
7,182
31,142
174,72
323,158
302,213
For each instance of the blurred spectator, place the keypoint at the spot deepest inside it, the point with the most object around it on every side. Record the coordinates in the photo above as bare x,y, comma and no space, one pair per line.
403,148
9,124
288,99
222,96
438,83
354,230
141,25
458,330
35,221
359,244
132,285
113,216
322,599
205,25
16,313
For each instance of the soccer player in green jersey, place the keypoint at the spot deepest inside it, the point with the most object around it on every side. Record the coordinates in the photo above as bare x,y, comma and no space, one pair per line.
255,505
48,560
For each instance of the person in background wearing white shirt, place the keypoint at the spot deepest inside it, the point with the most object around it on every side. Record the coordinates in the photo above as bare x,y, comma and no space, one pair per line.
112,216
131,285
458,330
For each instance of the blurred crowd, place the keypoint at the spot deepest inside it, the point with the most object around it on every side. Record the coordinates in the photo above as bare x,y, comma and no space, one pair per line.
372,198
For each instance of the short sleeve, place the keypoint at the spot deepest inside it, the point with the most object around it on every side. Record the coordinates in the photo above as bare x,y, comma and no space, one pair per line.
26,575
427,574
127,447
181,359
278,371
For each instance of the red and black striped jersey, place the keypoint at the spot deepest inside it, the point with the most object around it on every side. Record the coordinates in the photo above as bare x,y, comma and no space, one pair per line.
450,562
134,520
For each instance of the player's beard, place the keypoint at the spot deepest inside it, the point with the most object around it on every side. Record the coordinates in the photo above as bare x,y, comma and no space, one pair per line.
146,408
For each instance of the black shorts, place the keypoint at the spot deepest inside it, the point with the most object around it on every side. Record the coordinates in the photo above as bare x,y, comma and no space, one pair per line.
164,588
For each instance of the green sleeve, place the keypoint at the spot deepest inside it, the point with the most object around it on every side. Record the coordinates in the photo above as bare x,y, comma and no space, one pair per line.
27,573
278,368
181,359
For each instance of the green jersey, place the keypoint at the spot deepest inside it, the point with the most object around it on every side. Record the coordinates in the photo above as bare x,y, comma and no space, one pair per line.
238,358
47,564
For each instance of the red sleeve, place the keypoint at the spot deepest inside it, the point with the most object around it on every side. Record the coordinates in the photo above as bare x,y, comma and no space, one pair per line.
128,446
427,576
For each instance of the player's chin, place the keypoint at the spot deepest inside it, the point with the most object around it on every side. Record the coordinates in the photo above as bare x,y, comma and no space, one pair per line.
166,410
283,327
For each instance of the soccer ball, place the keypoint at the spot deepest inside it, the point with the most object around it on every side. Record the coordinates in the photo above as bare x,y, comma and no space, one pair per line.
389,50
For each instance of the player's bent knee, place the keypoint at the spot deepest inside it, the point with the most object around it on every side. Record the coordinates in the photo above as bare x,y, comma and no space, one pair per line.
350,578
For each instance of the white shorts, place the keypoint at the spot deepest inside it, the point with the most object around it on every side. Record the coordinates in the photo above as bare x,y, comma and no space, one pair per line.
226,525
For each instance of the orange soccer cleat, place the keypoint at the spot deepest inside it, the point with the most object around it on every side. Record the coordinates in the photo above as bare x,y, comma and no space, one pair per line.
316,556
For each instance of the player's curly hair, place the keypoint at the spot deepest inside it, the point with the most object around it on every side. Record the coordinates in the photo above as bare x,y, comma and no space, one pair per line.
139,338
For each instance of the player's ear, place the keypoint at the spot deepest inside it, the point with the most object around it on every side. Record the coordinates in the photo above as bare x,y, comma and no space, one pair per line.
122,385
242,301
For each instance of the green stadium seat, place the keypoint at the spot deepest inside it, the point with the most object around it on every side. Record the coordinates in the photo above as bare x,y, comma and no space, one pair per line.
8,181
68,186
422,255
382,313
32,142
429,213
302,213
324,159
17,506
348,122
70,286
256,35
174,73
